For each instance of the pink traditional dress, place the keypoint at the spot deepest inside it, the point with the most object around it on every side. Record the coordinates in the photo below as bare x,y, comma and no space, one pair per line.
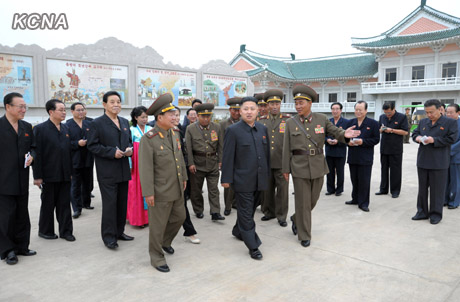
137,213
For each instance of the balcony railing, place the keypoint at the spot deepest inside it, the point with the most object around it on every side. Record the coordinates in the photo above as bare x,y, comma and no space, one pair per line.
423,85
326,107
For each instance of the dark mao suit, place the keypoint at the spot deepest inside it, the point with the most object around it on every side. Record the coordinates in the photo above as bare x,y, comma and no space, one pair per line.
335,158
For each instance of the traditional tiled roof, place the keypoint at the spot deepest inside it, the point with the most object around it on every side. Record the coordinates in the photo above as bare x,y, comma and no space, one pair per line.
327,68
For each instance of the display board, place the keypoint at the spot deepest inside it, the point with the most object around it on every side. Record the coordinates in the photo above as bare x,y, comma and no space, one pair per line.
217,89
16,75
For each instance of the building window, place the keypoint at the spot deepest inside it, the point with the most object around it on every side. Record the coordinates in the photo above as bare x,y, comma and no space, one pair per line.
332,97
418,72
449,70
447,101
351,96
390,75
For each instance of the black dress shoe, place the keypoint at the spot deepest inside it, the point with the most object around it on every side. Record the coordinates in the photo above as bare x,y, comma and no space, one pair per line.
92,196
255,254
305,243
76,214
329,193
435,220
69,237
27,253
380,193
351,202
266,218
282,223
394,195
452,207
294,227
338,194
163,268
199,215
54,236
11,258
111,245
125,237
168,250
419,216
364,208
227,212
217,216
89,208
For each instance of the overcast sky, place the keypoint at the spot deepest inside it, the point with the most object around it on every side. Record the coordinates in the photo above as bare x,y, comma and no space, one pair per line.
191,33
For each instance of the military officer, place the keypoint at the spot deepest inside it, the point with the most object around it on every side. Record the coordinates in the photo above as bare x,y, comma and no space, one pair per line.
409,125
204,146
234,103
303,157
276,198
163,178
261,105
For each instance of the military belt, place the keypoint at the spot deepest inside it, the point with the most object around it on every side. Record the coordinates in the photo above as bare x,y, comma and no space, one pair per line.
310,152
205,154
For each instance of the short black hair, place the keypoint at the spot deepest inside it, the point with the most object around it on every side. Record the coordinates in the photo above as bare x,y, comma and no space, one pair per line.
337,103
190,109
248,99
51,105
457,108
388,105
362,102
110,93
196,101
177,108
432,102
136,112
8,99
72,107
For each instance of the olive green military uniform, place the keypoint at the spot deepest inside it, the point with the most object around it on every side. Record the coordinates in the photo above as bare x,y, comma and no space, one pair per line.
276,198
162,174
204,146
304,159
409,124
229,194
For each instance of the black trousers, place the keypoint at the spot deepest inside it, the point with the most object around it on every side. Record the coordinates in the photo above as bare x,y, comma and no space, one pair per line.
336,167
55,195
361,180
392,167
189,229
81,188
435,180
114,204
14,223
245,226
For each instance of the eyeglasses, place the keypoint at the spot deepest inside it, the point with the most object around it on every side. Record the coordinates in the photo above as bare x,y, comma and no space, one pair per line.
22,107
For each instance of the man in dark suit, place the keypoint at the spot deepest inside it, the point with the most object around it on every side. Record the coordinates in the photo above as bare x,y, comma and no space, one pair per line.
435,134
336,153
453,184
52,172
17,155
245,166
393,126
361,155
82,160
109,139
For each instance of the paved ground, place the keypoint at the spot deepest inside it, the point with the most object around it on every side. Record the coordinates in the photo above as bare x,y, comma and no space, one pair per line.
378,256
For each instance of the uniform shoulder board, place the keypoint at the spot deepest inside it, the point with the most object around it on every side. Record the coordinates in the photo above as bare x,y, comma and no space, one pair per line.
263,117
151,133
176,129
285,115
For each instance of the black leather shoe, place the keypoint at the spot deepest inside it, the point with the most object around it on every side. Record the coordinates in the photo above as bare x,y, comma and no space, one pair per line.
168,250
54,236
217,216
282,223
395,195
92,196
76,214
435,220
163,268
338,194
364,208
199,215
351,202
305,243
294,227
89,208
419,216
111,245
255,254
27,253
125,237
69,238
227,212
329,193
11,258
380,193
266,218
451,207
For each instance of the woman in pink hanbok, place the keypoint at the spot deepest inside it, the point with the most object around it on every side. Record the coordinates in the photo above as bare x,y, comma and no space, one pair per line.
137,213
